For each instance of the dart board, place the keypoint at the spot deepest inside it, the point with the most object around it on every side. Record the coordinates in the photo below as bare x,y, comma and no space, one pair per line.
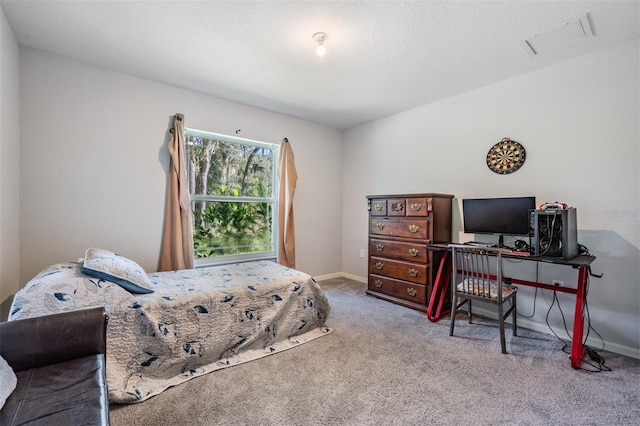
506,156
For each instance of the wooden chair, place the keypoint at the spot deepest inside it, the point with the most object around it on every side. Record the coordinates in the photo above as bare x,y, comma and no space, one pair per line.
473,279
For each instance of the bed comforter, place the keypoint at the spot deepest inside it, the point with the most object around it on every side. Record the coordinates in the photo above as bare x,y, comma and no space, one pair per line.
196,321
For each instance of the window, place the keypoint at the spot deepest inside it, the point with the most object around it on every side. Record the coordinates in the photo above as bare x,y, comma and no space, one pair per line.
233,193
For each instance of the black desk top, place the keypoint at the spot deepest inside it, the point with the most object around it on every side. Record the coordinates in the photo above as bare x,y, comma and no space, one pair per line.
576,262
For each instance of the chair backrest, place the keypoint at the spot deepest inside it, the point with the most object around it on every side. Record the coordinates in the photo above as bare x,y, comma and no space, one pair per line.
477,270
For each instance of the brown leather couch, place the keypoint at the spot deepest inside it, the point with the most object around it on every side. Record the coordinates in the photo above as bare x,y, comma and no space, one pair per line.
60,364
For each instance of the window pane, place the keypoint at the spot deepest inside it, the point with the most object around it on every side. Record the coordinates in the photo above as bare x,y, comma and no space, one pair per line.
226,228
219,167
232,189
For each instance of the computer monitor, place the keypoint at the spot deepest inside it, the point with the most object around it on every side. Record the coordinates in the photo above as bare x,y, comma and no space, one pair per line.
497,216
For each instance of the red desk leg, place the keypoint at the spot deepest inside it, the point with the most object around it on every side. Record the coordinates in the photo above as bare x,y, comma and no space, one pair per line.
577,348
439,291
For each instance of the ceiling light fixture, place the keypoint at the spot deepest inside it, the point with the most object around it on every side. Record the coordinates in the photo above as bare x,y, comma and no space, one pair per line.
320,39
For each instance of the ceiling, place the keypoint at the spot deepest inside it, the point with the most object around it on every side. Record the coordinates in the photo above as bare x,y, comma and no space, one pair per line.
383,57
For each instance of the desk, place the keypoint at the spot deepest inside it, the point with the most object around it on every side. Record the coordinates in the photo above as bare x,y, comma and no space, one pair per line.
441,287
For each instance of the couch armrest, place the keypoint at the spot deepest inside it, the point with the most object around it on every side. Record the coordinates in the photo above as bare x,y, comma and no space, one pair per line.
35,342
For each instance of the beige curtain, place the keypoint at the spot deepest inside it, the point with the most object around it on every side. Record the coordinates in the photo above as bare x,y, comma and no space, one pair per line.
177,239
286,232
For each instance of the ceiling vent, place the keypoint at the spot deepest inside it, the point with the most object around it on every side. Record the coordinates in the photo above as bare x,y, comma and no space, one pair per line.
569,32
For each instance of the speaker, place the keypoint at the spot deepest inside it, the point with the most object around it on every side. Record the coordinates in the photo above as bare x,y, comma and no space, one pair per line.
554,233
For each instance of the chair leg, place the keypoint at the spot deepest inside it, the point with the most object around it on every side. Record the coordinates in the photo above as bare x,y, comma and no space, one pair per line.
454,308
514,315
470,313
503,342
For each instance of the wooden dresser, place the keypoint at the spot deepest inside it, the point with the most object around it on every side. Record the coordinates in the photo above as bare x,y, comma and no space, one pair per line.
401,270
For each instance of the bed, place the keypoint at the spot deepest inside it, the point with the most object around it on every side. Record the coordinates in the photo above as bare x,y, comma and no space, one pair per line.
168,327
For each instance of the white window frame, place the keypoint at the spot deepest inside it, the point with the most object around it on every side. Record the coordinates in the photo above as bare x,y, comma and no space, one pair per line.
233,258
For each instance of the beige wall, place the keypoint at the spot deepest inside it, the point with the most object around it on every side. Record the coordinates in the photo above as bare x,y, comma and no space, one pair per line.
578,121
9,165
94,159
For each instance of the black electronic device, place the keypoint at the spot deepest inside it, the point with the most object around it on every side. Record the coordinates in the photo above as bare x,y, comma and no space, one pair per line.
554,232
497,216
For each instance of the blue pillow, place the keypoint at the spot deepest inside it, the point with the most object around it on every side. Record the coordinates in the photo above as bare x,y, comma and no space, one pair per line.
112,267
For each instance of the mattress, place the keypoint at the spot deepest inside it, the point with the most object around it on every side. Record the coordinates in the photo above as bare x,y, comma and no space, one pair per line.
196,321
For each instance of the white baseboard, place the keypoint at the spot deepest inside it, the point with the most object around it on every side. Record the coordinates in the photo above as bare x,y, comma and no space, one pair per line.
593,340
340,275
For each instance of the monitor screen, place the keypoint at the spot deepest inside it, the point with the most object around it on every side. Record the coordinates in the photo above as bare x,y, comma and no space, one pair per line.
498,216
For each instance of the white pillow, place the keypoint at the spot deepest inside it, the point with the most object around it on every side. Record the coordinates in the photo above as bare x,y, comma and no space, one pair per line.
110,266
8,381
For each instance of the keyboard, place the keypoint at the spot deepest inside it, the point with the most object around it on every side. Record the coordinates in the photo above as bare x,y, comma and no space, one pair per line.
479,244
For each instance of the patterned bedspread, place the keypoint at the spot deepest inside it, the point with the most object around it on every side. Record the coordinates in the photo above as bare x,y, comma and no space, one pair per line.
195,322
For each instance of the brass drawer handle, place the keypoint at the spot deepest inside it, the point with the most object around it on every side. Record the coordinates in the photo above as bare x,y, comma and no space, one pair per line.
413,272
377,283
416,207
380,226
412,291
413,252
378,207
413,228
379,247
379,266
397,207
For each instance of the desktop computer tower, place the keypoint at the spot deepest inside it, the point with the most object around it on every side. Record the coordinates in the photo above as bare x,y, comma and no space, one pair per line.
553,232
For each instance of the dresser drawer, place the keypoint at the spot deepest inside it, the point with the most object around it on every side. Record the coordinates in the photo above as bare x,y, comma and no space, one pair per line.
413,272
396,207
396,227
378,207
418,206
413,252
404,290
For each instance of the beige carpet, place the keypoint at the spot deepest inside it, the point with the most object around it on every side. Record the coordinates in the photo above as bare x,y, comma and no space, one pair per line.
388,365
